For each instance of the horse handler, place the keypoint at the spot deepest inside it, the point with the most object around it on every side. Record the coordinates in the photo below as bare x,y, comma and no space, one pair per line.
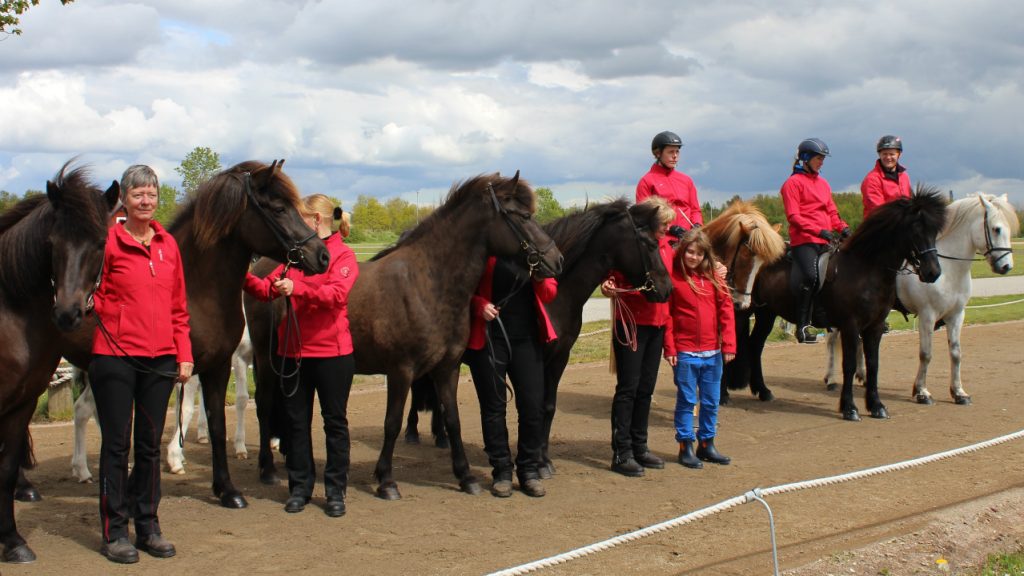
316,346
140,348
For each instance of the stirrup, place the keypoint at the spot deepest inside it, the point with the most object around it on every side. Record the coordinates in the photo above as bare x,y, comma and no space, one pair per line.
804,335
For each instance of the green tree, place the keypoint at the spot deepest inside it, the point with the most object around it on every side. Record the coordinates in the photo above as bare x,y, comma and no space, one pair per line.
198,166
168,207
402,215
7,200
369,215
11,10
548,208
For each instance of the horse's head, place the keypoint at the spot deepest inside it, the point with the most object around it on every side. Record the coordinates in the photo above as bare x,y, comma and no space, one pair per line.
78,237
636,253
261,205
999,225
745,242
515,232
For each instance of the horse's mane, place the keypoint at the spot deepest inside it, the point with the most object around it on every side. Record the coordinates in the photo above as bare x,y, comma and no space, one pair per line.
744,217
460,193
880,232
966,210
220,201
573,232
80,217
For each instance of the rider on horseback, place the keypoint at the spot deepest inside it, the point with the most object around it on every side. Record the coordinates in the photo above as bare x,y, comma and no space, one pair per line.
813,224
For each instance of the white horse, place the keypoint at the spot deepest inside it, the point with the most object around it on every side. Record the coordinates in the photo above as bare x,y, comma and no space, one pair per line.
85,408
978,224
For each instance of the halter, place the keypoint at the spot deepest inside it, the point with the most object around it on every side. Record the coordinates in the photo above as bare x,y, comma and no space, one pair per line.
293,250
648,283
990,247
534,256
730,275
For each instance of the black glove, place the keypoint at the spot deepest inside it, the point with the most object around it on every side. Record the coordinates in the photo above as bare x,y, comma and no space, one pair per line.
696,225
845,233
828,235
676,231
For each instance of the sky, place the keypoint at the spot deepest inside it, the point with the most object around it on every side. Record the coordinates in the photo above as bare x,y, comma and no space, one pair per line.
397,99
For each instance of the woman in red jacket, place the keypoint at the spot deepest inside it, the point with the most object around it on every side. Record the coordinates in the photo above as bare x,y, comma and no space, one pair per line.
316,347
508,331
814,222
888,180
663,180
637,363
699,339
140,348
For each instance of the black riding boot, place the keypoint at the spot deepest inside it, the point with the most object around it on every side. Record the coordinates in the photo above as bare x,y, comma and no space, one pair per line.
687,457
706,451
804,333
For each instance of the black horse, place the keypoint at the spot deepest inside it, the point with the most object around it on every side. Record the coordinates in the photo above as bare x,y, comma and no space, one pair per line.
409,308
51,251
858,292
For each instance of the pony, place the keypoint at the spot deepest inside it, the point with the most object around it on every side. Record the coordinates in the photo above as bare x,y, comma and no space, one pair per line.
51,254
409,309
85,408
978,224
246,209
858,291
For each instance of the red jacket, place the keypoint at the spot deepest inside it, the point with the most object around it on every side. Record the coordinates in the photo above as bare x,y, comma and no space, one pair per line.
141,299
879,187
675,187
544,291
320,303
645,312
809,208
702,321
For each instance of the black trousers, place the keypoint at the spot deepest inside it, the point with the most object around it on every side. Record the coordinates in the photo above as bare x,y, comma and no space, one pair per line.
522,360
125,394
805,266
331,380
637,374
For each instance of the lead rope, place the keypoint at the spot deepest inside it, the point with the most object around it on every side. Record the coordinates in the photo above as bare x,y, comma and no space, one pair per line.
490,346
623,320
291,323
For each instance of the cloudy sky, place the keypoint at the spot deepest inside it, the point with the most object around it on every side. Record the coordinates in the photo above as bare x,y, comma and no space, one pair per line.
392,99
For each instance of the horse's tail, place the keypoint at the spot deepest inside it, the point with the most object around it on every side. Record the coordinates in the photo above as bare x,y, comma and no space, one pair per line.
28,457
424,396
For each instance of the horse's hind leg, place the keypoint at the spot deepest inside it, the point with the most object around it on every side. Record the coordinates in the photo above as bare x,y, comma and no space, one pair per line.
85,408
214,386
240,367
13,430
830,367
764,322
398,390
953,326
24,491
846,405
183,417
446,383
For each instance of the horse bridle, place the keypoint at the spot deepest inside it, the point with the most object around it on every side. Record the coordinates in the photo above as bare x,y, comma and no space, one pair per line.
534,255
648,283
293,250
730,275
990,247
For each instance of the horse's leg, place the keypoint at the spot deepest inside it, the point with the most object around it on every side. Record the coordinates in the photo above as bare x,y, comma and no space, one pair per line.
446,384
399,382
214,384
872,338
265,399
182,417
926,320
554,367
861,373
412,425
13,430
202,424
24,491
240,367
846,406
953,325
830,368
85,408
763,323
437,425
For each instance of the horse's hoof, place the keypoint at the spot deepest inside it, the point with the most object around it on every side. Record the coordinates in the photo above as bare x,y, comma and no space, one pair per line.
388,492
924,399
880,413
412,438
832,386
29,494
203,440
470,486
851,415
233,501
964,400
442,442
269,479
20,554
721,401
766,396
241,455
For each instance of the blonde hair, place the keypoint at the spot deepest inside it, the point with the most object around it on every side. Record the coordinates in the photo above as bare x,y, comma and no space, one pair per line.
706,267
328,210
665,213
345,225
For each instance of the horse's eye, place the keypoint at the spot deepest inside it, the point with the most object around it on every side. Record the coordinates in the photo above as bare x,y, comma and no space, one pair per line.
997,230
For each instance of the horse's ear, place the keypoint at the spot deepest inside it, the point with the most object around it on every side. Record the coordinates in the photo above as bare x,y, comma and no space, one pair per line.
112,195
53,193
515,179
261,177
777,226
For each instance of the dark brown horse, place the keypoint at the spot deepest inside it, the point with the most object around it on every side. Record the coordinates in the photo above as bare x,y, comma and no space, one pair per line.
409,309
51,251
251,208
859,290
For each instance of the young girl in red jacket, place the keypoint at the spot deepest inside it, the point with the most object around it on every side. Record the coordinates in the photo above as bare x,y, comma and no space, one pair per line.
700,337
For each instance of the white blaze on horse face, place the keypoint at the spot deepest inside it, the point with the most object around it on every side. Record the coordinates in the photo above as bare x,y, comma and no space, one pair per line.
998,238
748,287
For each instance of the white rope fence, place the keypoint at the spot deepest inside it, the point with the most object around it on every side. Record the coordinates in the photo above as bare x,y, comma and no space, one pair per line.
754,495
994,305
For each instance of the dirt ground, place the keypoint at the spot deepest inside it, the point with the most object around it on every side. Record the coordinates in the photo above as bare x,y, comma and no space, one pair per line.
905,522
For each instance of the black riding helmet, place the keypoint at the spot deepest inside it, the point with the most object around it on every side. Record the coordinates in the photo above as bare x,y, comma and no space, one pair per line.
663,139
889,142
810,148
